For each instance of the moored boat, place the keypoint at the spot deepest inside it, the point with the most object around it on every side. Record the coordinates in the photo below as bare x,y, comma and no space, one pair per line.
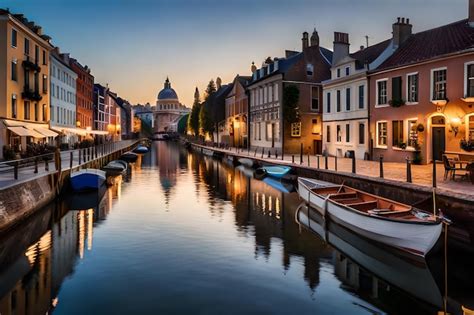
208,152
87,179
316,199
246,162
129,157
115,167
140,149
272,171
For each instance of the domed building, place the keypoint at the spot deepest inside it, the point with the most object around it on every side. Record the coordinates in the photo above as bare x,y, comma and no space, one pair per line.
169,110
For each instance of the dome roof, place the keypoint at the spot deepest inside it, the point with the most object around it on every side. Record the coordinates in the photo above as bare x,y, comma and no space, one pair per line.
167,93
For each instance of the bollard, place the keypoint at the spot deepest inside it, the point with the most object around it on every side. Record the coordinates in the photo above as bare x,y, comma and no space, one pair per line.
381,166
268,153
263,151
408,170
79,156
293,159
84,155
353,164
46,165
276,154
317,156
434,173
15,171
301,153
36,165
308,161
326,161
335,162
255,154
71,159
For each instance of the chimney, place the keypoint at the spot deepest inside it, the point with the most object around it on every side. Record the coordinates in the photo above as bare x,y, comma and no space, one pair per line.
305,40
315,38
401,31
471,13
341,47
362,47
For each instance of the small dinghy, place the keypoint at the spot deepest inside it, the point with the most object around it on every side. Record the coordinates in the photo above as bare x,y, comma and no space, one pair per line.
140,149
129,157
272,171
87,179
316,199
115,168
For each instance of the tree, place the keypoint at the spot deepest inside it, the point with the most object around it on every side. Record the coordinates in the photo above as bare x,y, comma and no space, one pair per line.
211,89
206,124
291,96
193,119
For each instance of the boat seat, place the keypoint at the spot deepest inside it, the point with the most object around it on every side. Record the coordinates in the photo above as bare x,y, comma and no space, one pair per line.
364,206
388,212
345,195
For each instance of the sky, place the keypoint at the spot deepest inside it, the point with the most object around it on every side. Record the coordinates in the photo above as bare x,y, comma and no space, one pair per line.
133,45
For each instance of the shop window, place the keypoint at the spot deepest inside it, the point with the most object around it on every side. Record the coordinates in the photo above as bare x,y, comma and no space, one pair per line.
397,133
382,133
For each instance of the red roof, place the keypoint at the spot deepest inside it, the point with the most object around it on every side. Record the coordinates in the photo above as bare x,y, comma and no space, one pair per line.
436,42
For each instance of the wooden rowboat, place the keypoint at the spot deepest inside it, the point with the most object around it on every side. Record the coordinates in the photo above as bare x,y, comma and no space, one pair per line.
316,200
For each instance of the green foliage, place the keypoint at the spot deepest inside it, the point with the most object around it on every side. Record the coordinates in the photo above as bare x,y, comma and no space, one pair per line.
8,153
397,102
205,121
193,118
211,89
291,95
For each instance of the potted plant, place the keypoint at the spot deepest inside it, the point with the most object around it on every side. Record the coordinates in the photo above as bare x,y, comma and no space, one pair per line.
467,145
402,145
417,158
396,102
420,128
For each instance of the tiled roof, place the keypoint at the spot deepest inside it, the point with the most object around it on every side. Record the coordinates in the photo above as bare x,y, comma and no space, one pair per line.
369,54
436,42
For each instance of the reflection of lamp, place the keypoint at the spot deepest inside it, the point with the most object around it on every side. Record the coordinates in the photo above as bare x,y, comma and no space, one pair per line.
455,124
78,124
236,123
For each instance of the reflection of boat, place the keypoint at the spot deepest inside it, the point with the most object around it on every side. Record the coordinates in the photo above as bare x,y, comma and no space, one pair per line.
284,187
245,170
411,274
129,157
87,200
161,136
316,200
272,171
140,149
381,219
87,179
115,168
207,152
246,162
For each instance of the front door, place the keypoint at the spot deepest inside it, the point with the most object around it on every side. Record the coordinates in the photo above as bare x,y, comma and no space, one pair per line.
439,144
318,146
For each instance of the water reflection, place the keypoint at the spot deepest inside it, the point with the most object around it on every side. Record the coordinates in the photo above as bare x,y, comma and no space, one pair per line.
183,223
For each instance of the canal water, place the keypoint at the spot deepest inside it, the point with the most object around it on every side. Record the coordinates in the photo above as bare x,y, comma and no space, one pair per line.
185,233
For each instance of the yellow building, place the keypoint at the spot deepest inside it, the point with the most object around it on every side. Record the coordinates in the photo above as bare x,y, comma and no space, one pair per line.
24,83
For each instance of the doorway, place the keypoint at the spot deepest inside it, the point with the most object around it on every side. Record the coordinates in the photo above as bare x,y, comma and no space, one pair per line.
439,143
318,147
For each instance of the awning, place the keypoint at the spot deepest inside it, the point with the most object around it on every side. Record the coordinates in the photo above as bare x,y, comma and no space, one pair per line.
45,132
98,132
76,131
23,132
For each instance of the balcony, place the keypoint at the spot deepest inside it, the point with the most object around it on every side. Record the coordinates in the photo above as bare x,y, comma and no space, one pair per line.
30,65
29,94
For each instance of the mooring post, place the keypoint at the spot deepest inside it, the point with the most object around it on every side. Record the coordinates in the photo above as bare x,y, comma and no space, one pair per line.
46,165
71,159
255,154
36,165
317,158
268,153
308,161
301,153
326,161
353,164
263,151
15,170
408,170
434,173
79,151
293,158
335,163
381,165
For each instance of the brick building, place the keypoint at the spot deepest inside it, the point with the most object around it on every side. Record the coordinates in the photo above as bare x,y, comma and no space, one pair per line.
84,95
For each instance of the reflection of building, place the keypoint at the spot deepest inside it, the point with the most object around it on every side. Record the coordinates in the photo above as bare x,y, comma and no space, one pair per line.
168,110
168,164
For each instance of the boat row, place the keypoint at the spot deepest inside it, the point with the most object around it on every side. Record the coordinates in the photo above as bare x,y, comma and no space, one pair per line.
386,221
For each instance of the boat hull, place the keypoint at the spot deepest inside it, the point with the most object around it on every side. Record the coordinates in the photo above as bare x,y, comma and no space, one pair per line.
129,157
415,237
315,201
87,181
246,162
140,150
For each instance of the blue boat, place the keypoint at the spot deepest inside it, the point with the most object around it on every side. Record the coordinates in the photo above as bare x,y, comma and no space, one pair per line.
87,179
140,149
272,171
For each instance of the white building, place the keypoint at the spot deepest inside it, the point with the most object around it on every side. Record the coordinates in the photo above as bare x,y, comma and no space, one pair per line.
345,95
63,97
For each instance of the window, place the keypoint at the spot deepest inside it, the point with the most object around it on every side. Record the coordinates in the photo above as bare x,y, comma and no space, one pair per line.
412,88
57,114
27,46
382,92
270,93
14,37
361,97
314,127
348,99
382,133
412,133
36,112
14,70
470,127
396,88
314,98
26,110
275,90
52,113
397,133
270,130
439,84
296,129
338,73
338,101
328,102
14,111
348,133
309,70
338,133
470,80
45,60
348,70
265,92
45,84
36,53
44,115
361,133
328,133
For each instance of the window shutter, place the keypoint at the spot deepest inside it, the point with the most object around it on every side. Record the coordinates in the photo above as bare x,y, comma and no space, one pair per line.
397,88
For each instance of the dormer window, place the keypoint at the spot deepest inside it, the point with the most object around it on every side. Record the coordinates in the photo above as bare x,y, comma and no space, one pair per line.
309,70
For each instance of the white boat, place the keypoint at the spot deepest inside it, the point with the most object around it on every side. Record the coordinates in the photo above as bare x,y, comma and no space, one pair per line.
246,162
87,179
316,200
383,220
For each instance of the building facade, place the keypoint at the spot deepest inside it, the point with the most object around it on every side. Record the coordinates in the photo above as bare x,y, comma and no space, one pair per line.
236,113
304,70
84,95
168,110
63,97
422,96
24,83
345,95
